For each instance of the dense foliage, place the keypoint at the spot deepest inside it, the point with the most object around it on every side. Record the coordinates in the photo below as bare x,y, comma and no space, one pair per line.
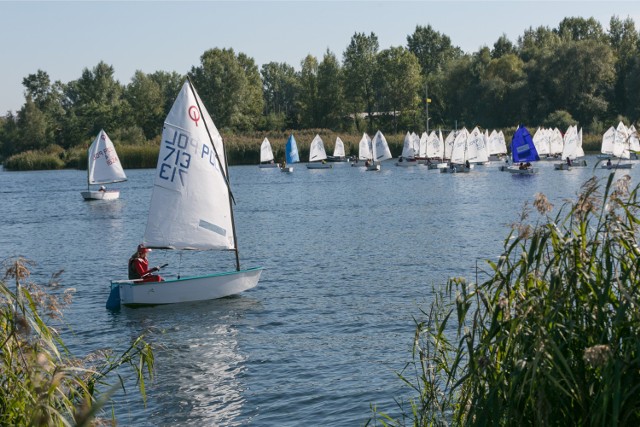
42,384
576,72
551,338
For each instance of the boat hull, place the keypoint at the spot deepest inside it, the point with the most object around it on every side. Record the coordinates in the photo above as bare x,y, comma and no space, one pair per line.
189,289
406,164
288,169
618,166
515,170
319,166
100,195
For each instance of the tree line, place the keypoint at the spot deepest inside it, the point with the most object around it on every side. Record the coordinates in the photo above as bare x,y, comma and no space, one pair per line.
576,73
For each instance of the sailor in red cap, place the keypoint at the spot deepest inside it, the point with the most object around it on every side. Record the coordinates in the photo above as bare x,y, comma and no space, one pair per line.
139,266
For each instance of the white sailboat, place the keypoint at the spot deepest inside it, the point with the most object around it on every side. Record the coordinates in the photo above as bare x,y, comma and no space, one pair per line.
103,168
408,156
191,209
616,144
365,151
459,154
318,155
571,151
266,155
339,155
380,151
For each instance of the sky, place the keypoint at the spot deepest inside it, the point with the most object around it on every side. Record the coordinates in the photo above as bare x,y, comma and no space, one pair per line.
65,37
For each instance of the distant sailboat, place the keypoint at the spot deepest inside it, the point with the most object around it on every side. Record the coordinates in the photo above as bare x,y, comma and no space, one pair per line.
365,151
317,155
523,151
408,156
291,154
266,155
339,155
103,167
379,150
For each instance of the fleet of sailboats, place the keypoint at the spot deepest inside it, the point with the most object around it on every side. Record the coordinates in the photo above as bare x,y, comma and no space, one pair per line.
103,167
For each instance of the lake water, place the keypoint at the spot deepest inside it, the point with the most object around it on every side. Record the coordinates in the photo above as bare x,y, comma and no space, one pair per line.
349,259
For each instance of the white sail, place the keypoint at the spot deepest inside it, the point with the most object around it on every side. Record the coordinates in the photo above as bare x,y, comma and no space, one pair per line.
556,142
365,151
634,143
448,144
476,147
380,147
541,141
408,151
621,142
435,147
104,165
316,150
580,151
570,147
190,205
416,143
607,141
422,152
338,150
459,151
266,153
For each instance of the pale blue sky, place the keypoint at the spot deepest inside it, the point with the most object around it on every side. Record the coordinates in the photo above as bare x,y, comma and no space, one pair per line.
63,38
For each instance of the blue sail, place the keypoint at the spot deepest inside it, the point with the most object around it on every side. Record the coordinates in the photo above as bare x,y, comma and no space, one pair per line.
291,150
522,148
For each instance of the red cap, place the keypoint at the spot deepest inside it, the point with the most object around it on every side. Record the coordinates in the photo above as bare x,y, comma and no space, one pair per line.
143,248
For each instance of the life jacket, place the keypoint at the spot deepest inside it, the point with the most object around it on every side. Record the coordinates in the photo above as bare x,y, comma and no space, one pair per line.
133,274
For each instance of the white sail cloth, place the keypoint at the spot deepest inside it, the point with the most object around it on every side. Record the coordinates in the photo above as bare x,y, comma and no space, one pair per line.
190,205
104,164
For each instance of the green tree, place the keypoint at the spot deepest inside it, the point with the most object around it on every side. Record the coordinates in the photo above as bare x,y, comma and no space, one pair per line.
280,87
432,49
359,65
625,41
146,102
502,47
95,101
227,85
501,91
330,94
398,82
576,29
308,98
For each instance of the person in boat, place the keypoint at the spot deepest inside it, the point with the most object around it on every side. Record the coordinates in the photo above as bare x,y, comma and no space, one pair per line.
568,161
139,266
102,188
527,165
467,164
608,163
284,164
521,166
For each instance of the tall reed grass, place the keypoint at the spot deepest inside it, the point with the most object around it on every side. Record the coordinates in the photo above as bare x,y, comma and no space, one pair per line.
551,338
42,384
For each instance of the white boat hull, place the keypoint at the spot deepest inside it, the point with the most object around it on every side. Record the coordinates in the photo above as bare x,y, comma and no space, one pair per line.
288,169
319,166
373,168
189,289
268,165
517,171
100,195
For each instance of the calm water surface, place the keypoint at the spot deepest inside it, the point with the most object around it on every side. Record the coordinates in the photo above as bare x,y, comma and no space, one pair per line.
350,257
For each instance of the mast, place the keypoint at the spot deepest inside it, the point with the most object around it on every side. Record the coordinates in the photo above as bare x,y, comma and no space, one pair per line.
225,174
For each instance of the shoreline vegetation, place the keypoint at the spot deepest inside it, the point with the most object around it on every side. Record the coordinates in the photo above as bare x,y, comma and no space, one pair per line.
43,384
551,337
242,149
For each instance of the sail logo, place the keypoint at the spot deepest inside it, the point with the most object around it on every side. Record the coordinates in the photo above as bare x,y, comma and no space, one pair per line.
194,114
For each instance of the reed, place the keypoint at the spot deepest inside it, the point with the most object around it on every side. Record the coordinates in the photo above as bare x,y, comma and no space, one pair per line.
551,338
42,384
34,160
